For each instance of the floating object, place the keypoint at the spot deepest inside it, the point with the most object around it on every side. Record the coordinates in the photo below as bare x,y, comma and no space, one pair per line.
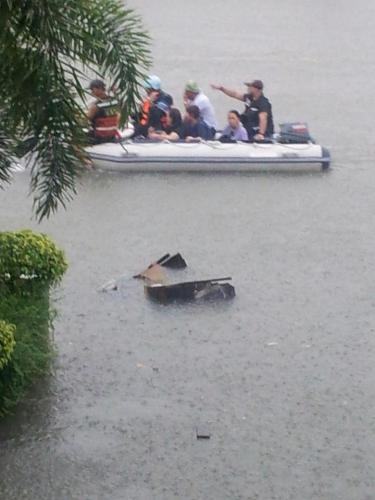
110,286
162,259
153,274
157,287
211,289
203,432
205,156
175,262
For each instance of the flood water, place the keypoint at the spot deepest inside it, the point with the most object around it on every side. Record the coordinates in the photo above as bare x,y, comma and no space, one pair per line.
283,377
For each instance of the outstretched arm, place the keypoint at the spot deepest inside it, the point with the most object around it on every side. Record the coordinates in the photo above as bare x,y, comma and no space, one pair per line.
228,92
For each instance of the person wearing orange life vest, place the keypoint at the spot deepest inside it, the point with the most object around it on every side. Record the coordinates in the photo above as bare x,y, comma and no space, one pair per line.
152,112
103,114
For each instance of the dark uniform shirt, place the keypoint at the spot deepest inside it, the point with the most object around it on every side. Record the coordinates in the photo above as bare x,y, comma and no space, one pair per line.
250,117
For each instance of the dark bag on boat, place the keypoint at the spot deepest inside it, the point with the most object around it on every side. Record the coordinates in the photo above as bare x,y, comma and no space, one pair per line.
295,133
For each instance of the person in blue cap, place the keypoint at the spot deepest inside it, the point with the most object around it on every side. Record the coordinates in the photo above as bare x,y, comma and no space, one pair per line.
154,107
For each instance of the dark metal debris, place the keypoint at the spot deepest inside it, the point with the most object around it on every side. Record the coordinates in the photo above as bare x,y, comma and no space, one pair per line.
203,432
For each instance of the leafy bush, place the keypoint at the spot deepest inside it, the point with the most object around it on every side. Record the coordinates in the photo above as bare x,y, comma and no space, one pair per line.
25,255
29,264
32,351
7,342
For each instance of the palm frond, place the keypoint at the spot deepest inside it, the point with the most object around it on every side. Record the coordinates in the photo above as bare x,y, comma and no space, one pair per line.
45,54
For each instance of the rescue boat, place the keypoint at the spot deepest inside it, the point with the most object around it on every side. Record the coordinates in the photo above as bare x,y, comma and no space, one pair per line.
137,155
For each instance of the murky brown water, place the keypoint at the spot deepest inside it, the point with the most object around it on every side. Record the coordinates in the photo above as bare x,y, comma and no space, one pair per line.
283,376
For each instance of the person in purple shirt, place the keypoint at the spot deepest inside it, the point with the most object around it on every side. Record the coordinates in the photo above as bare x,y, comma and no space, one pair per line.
235,131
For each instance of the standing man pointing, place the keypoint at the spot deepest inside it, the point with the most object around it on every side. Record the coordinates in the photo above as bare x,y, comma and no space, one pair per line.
257,117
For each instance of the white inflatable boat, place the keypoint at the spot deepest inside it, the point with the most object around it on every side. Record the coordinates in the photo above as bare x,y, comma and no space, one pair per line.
210,156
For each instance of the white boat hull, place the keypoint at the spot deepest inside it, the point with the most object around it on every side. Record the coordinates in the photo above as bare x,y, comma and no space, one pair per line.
210,156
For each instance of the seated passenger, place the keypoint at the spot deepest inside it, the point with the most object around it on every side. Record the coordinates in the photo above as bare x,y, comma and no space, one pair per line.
194,127
194,95
170,127
235,131
150,114
103,114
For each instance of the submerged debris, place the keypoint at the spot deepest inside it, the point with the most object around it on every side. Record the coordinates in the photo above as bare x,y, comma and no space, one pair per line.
157,287
191,290
175,262
154,274
203,432
213,291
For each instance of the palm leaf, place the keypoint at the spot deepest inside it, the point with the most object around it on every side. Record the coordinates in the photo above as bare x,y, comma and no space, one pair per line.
46,53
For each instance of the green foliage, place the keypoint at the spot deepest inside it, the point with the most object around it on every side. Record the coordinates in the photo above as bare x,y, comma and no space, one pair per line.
26,256
46,50
32,350
7,342
29,264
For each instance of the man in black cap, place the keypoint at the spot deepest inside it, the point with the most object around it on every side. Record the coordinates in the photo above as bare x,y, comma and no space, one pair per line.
257,117
103,114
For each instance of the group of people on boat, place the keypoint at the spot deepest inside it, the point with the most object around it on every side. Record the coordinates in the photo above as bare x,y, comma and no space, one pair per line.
159,120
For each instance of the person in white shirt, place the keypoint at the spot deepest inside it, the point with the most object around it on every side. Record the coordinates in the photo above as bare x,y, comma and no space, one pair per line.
194,97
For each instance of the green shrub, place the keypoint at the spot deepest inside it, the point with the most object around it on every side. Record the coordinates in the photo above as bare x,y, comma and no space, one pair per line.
7,342
33,349
29,264
29,256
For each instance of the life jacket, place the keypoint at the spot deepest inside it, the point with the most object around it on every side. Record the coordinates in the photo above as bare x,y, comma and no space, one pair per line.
144,114
107,119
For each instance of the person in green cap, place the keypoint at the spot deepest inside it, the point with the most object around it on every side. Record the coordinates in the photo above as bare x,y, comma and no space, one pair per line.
193,96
